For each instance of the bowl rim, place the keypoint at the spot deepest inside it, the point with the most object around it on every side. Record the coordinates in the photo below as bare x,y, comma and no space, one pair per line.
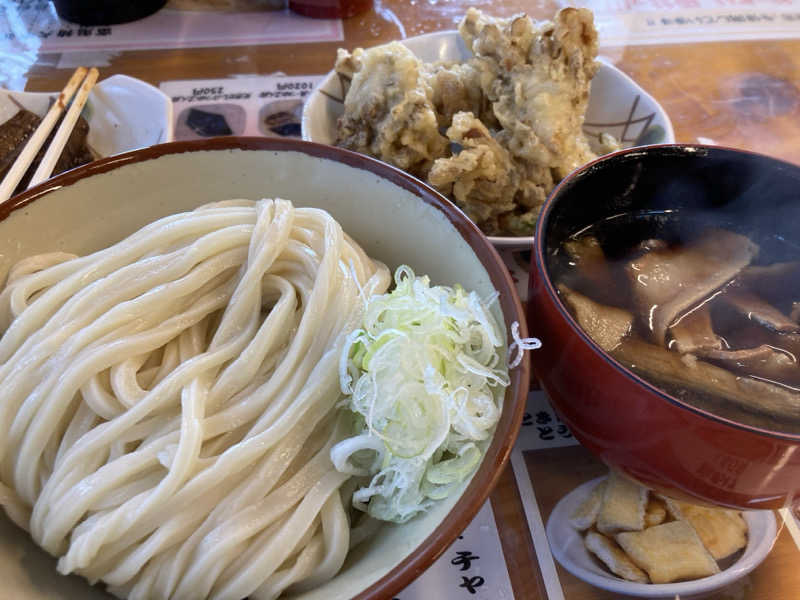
760,548
538,264
497,453
507,242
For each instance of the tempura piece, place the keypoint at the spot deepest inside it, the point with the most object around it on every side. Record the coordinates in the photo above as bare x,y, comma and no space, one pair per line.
506,42
546,69
623,505
388,111
458,87
614,558
480,177
347,64
513,113
539,98
669,552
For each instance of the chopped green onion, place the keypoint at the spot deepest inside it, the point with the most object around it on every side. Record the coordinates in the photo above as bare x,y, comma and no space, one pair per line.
425,377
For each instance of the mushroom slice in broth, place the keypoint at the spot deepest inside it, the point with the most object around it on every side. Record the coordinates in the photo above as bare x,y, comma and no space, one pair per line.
674,372
668,282
694,332
758,310
606,325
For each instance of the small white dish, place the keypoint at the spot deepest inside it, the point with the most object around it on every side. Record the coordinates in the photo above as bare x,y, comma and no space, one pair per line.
123,113
569,550
617,105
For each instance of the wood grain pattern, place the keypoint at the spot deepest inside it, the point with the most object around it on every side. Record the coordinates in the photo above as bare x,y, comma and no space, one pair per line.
515,537
740,94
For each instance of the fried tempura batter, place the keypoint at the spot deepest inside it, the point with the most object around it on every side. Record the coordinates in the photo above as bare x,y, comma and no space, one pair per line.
388,109
513,113
481,177
458,87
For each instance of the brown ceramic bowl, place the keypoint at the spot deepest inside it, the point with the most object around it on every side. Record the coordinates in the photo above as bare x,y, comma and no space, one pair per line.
396,218
654,436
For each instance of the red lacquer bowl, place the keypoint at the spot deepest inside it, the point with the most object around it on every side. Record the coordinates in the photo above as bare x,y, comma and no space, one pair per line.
627,422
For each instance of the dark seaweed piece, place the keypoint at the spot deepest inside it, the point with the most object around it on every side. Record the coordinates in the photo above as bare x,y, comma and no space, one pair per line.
13,135
283,123
207,124
75,153
287,129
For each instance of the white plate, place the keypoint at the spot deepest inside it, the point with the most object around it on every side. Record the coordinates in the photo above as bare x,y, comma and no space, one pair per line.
568,549
123,113
617,105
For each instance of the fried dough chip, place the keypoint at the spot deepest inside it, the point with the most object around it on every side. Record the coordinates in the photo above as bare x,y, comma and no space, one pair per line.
669,552
586,514
614,558
722,531
655,513
672,507
623,505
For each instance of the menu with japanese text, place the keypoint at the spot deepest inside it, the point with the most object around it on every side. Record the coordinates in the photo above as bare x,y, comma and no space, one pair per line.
268,106
644,22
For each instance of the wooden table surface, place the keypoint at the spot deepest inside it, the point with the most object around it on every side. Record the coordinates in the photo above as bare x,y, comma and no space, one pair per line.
741,94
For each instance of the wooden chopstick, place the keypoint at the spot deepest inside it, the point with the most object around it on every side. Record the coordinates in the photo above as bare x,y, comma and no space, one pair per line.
64,130
28,154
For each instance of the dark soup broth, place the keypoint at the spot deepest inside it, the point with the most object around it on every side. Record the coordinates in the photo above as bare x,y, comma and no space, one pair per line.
705,312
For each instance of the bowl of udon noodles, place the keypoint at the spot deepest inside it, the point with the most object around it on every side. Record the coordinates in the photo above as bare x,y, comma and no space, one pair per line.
186,330
665,287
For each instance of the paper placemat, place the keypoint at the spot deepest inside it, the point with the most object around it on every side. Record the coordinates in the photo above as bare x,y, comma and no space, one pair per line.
644,22
167,28
268,106
473,567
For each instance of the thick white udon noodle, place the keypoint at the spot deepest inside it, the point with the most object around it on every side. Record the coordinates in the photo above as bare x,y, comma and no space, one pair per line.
167,406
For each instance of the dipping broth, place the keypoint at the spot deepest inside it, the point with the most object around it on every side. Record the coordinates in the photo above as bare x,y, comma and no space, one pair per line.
693,306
